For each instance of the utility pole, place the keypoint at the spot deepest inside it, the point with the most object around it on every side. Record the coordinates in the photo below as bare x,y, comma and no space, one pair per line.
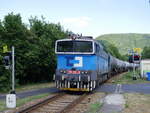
11,98
134,76
133,52
9,62
13,69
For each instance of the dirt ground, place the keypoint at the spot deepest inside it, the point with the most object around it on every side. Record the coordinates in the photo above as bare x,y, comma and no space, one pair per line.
85,105
137,103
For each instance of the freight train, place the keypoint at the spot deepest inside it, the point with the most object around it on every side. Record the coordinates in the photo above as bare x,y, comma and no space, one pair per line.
82,64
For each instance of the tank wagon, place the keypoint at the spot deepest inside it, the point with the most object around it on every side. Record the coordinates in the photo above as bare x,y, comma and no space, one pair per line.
82,64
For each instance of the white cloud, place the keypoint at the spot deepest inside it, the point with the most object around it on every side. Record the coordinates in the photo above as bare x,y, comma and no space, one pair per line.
76,22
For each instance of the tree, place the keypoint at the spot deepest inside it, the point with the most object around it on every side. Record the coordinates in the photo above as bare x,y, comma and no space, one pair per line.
146,53
34,48
110,48
47,34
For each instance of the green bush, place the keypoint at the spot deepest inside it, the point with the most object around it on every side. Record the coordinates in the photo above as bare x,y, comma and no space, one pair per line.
34,49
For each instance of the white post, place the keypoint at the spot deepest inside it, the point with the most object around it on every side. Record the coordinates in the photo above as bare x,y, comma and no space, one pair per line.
13,68
134,76
11,98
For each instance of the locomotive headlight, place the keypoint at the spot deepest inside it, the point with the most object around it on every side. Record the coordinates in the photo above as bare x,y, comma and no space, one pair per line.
86,72
82,72
61,71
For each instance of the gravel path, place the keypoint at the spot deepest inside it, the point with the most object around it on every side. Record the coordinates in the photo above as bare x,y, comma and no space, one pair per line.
125,88
113,103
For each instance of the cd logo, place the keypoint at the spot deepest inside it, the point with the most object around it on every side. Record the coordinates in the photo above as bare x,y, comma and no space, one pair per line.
74,61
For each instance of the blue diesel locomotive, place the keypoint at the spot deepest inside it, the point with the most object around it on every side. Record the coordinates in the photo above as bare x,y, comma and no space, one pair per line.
82,64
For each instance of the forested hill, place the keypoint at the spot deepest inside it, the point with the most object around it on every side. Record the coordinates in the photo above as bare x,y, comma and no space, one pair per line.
124,42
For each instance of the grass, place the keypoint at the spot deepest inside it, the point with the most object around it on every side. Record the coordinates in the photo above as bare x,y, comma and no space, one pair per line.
2,105
23,101
32,87
127,78
94,108
137,103
126,105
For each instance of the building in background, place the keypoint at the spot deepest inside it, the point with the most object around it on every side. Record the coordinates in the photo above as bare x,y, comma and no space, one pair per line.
145,67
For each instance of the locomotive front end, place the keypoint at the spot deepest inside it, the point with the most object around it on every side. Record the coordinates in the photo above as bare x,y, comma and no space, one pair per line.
75,64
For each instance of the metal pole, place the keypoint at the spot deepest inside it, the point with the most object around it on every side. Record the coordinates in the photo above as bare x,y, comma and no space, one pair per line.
134,77
133,62
139,68
13,69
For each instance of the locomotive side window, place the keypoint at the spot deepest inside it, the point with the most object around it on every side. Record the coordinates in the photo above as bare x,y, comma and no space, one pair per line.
74,46
97,48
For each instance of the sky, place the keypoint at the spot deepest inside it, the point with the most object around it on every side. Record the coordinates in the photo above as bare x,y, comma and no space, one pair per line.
89,17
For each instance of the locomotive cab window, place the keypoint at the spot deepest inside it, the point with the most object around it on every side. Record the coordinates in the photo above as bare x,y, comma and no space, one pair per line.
74,46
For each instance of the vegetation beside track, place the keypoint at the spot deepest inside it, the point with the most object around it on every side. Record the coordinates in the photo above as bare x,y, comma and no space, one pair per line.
32,86
95,107
23,101
127,78
137,103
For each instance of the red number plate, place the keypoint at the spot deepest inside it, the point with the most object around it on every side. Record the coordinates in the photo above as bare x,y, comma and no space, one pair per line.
73,72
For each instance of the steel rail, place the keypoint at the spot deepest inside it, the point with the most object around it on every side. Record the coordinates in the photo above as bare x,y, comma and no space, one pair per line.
73,104
41,103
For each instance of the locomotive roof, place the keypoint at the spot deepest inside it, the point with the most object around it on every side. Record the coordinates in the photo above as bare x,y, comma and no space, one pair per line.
83,38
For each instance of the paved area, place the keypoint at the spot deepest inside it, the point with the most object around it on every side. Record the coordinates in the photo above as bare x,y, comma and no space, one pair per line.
136,88
125,88
113,103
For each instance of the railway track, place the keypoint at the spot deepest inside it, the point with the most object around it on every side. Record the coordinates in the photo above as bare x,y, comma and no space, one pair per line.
60,103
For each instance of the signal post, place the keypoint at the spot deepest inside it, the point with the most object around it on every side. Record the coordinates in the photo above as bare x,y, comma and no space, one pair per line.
136,59
10,55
